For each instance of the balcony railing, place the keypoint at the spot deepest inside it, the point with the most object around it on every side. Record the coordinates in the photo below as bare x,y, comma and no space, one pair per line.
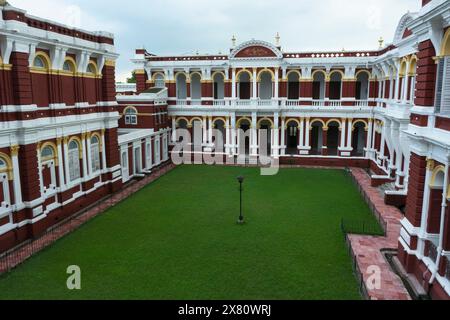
245,103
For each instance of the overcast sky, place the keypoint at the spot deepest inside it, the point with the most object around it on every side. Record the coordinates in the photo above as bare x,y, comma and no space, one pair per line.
187,26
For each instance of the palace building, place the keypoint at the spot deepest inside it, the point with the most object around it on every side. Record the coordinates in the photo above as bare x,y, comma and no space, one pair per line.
387,110
61,134
68,139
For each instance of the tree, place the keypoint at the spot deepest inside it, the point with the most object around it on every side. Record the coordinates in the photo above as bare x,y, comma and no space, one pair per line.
133,78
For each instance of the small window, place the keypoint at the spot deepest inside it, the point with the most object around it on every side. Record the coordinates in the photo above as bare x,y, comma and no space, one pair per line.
91,68
47,153
68,66
130,116
39,63
159,81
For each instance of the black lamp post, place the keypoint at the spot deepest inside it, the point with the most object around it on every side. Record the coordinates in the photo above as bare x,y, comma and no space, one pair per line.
241,217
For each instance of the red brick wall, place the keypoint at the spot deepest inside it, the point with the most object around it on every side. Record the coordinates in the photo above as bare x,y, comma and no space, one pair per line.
414,202
426,75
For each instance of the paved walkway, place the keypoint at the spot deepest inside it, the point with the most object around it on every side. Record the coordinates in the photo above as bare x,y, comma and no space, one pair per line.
22,253
367,249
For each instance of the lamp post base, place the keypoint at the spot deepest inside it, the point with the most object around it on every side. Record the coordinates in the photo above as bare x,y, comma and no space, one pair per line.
241,221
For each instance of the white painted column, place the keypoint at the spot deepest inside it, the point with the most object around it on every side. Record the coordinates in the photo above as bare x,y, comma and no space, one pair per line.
275,134
233,84
103,149
233,134
302,133
89,159
283,136
369,139
349,133
343,132
255,85
397,87
276,84
210,130
60,163
254,135
391,88
405,88
83,147
16,175
204,131
227,134
307,133
41,178
66,159
174,130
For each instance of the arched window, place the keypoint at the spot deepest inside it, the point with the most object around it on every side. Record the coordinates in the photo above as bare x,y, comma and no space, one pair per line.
47,153
3,166
131,116
362,86
91,68
159,81
95,154
68,66
39,62
74,160
47,168
335,86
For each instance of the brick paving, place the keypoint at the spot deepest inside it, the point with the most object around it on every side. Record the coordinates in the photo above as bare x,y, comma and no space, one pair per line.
367,249
30,248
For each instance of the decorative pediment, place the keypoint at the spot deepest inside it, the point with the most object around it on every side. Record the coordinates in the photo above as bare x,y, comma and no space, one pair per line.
402,28
256,50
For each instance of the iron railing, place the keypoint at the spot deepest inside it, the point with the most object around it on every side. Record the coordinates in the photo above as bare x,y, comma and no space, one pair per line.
361,227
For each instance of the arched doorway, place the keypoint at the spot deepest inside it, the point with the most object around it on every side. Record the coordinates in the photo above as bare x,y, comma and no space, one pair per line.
333,135
335,86
181,86
244,137
265,86
362,86
319,86
182,124
196,86
219,86
219,135
293,86
244,86
316,138
358,139
292,134
265,137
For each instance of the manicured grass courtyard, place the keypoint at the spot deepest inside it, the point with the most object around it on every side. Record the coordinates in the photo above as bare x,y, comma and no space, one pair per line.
178,239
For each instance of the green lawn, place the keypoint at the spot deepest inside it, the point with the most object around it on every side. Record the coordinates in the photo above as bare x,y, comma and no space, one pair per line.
178,239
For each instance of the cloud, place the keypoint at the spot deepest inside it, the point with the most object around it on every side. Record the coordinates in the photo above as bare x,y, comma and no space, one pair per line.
185,26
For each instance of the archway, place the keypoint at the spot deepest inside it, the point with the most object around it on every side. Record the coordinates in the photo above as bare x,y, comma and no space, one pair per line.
244,137
335,86
362,86
181,86
358,139
333,138
319,86
219,135
219,86
265,86
265,137
244,86
196,86
293,86
316,138
292,137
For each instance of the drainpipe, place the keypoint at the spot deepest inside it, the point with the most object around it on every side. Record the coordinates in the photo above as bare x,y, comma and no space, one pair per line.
441,233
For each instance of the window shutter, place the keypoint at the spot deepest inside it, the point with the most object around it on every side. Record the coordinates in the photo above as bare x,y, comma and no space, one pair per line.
439,81
445,93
